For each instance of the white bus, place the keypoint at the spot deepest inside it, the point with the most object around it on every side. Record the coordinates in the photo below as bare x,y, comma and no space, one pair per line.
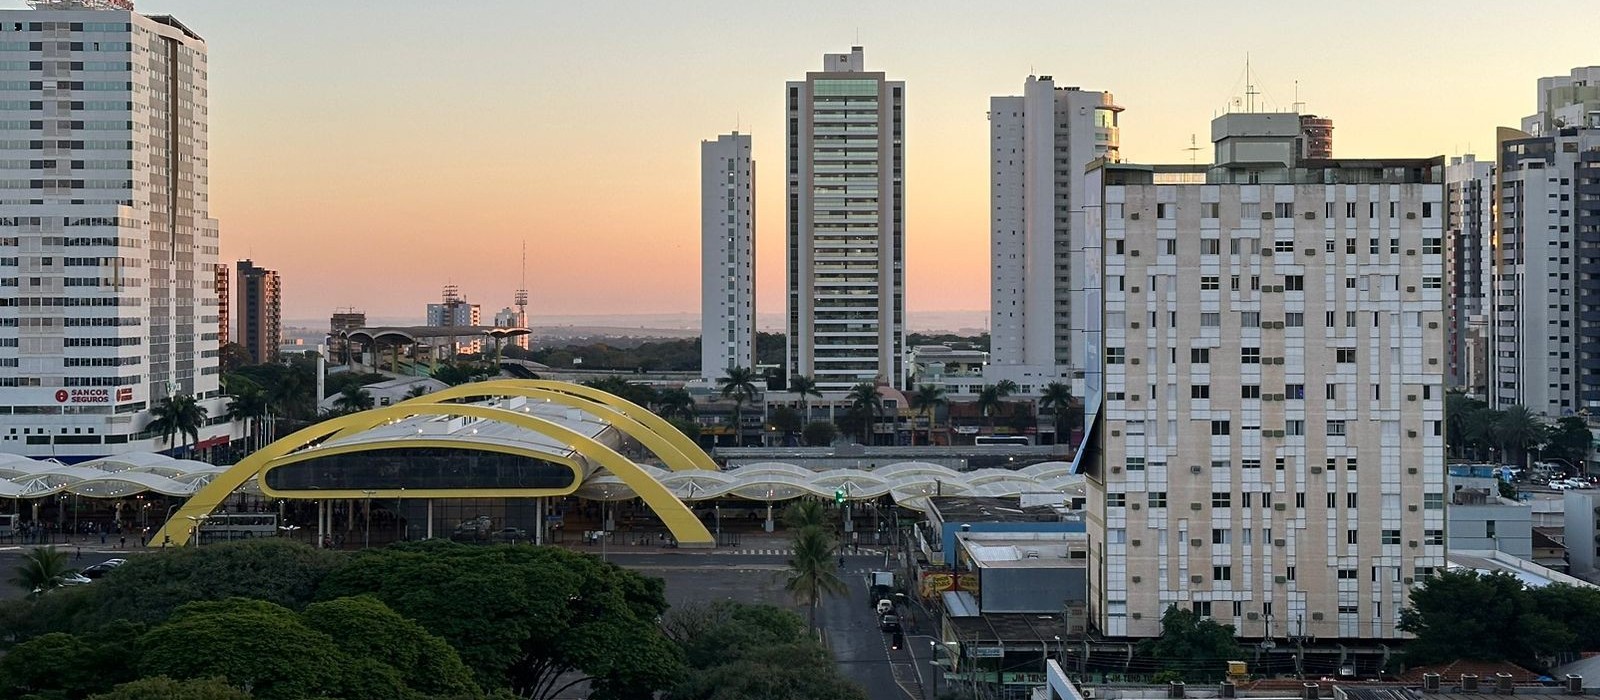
1002,440
223,527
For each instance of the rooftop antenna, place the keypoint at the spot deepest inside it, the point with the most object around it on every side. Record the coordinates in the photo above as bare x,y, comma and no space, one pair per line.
1250,91
1194,151
1298,105
521,297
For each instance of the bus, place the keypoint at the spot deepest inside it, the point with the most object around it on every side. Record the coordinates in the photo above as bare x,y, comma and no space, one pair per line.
1002,440
8,526
223,527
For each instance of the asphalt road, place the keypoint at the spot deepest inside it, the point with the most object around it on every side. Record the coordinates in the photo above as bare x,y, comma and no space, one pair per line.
78,557
849,625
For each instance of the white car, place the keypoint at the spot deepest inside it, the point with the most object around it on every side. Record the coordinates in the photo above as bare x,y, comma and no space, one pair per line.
1559,485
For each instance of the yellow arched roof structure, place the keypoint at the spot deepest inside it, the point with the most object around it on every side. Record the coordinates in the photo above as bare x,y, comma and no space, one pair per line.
555,442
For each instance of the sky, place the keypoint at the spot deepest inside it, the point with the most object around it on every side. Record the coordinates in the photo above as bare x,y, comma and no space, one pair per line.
374,152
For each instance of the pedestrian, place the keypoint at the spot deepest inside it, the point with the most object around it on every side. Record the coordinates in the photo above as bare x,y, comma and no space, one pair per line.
102,537
122,542
77,552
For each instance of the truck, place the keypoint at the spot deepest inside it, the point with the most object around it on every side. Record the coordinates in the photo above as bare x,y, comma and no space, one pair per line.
880,586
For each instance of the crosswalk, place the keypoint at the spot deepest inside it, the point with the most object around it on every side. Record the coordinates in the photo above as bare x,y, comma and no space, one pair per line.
864,551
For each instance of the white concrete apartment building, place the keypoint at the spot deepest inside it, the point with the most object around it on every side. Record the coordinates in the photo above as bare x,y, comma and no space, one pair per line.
1271,449
107,253
846,216
455,311
1039,145
727,255
1545,325
1469,229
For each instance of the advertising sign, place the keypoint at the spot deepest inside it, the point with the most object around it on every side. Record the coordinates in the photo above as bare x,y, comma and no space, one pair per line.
90,395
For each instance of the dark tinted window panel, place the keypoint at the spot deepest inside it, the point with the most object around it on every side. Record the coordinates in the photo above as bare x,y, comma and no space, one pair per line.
420,468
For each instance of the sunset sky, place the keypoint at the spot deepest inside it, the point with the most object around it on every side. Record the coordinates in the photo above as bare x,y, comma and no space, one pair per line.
372,152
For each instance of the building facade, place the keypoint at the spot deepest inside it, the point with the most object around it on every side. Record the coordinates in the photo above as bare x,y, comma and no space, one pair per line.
727,255
846,218
454,311
107,250
1039,144
1468,232
1544,287
223,291
260,311
509,317
1271,450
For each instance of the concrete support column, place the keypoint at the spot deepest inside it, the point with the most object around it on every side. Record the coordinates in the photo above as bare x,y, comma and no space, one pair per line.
430,518
320,531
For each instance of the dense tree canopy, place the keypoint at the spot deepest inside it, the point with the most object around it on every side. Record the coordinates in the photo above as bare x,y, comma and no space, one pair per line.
534,618
164,688
737,651
1192,647
1494,617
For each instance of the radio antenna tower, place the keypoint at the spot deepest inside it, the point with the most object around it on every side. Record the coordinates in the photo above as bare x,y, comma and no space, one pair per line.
1194,151
521,297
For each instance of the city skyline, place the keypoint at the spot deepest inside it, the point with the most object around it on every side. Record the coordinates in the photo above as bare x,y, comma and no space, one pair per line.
308,177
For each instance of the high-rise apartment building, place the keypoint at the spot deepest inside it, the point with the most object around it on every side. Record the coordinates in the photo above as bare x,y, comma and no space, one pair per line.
1469,229
846,175
221,287
509,317
727,255
456,311
260,311
107,299
1316,137
1039,145
1270,384
1543,348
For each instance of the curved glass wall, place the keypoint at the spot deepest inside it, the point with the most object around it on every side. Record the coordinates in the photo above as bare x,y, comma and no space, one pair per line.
419,468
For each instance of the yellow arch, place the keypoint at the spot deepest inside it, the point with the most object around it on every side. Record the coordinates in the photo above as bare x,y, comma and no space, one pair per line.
673,513
641,424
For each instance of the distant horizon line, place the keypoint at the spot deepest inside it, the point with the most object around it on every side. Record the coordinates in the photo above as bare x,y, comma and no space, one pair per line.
917,321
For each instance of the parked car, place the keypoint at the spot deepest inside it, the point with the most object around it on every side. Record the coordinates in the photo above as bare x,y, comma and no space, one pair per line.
75,579
94,571
510,534
889,623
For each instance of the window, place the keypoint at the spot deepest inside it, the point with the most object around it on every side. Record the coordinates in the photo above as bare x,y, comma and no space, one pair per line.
1350,536
1350,463
1200,356
1210,319
1433,501
1283,210
1333,501
1294,320
1250,391
1336,428
1210,246
1391,537
1220,427
1288,574
1432,246
1202,608
1116,500
1114,356
1432,282
1250,356
1347,575
1249,319
1350,500
1221,499
1222,573
1221,535
1294,428
1488,528
1283,246
1292,392
1433,536
1208,210
1249,464
1345,355
1200,391
1300,500
1332,392
1349,610
1135,464
1294,283
1164,211
1208,284
1350,244
1157,499
1169,246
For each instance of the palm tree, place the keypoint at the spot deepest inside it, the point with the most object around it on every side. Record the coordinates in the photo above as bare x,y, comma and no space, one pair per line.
806,387
1460,412
1058,398
805,513
42,569
988,402
866,404
353,399
812,573
740,385
675,403
1519,430
178,416
418,391
248,405
926,399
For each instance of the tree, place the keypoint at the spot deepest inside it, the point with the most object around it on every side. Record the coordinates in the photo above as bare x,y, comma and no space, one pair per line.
251,643
927,398
458,373
675,403
418,392
787,421
1569,440
535,619
247,404
366,628
1460,411
819,433
1517,431
1481,617
232,356
164,688
178,416
1196,647
1058,398
689,428
989,400
867,406
737,650
353,399
641,394
813,574
806,513
61,665
42,569
806,387
739,385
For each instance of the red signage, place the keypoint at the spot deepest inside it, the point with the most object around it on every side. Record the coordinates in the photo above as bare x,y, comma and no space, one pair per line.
124,394
83,396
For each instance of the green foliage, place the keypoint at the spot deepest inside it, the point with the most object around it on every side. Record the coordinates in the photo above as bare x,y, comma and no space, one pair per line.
925,400
1058,398
866,406
67,666
251,643
179,417
164,688
771,348
1507,490
641,394
336,384
525,616
458,373
813,575
819,433
1493,617
148,589
41,570
786,420
737,651
674,403
352,399
806,513
290,386
689,428
738,384
366,628
1569,439
1197,648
